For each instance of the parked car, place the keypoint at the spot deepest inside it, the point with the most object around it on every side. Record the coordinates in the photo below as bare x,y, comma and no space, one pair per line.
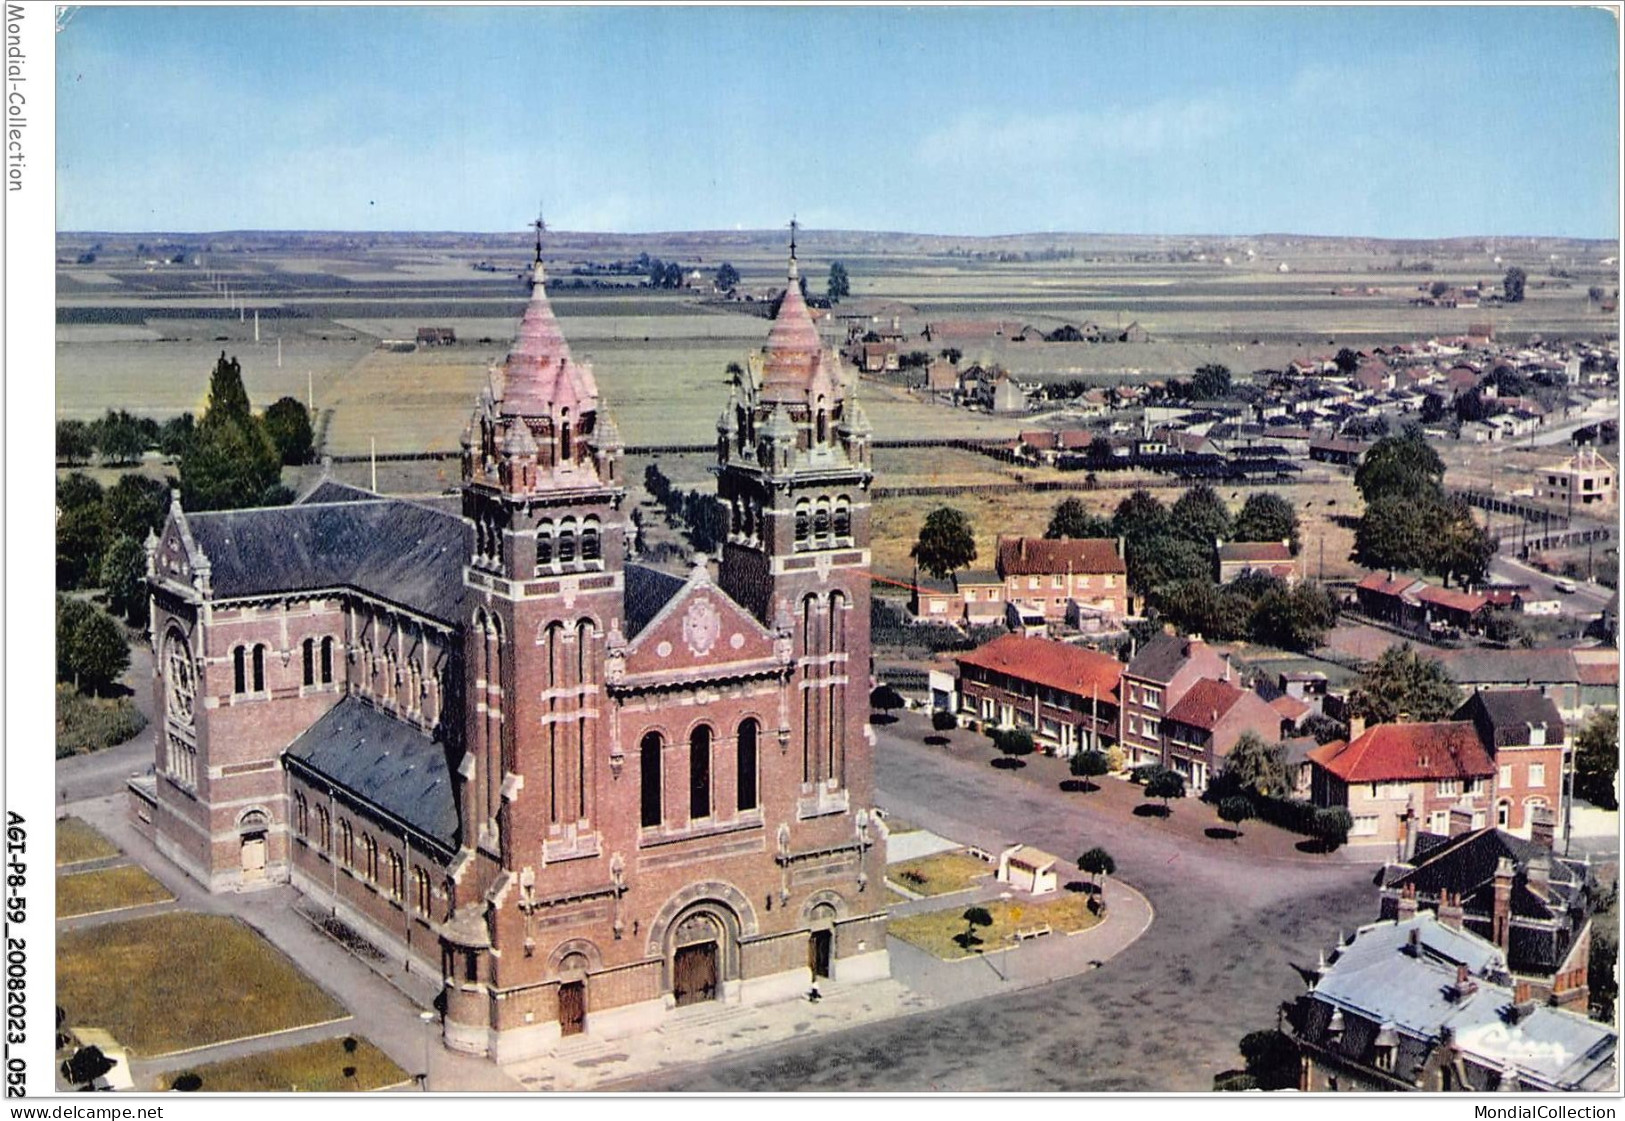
1566,586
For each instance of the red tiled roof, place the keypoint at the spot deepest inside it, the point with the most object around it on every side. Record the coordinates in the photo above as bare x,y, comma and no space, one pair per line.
1205,703
1042,439
1385,585
1273,551
1449,597
1408,753
1597,673
1035,556
1290,707
1046,662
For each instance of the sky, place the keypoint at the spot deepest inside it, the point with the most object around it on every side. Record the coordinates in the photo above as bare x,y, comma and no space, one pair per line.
1382,122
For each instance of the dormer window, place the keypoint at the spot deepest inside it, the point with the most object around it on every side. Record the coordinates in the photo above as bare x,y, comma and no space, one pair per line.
1537,735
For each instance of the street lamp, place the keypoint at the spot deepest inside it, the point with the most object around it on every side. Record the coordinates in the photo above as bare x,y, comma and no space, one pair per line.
428,1040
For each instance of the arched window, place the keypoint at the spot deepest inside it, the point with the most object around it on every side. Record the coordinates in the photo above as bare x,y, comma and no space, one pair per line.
347,844
327,661
324,829
843,517
308,647
567,541
301,815
837,623
544,544
369,857
397,876
823,422
699,773
421,894
555,655
584,652
746,774
566,444
591,549
802,515
649,776
259,668
821,520
239,670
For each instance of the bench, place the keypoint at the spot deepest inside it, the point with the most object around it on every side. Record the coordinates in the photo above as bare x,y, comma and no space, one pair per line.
1026,932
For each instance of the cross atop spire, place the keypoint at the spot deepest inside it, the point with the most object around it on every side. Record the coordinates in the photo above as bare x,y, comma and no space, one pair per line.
795,270
539,226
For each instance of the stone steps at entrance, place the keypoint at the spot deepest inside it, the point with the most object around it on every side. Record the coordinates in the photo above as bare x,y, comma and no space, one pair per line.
700,1016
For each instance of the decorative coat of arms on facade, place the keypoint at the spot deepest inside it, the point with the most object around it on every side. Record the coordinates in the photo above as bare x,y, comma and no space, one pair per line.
701,626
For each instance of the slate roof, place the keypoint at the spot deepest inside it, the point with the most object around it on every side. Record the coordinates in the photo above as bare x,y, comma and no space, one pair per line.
328,491
1383,984
1465,865
1477,665
1036,556
385,763
1277,552
1043,661
1516,709
1408,753
401,552
1159,659
647,591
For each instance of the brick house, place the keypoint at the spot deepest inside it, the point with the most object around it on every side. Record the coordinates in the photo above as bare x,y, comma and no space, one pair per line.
1534,905
1154,681
1205,724
1397,779
1268,558
580,791
1525,734
1046,575
1066,696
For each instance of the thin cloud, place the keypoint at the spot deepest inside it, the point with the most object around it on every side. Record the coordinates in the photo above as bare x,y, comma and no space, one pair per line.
979,138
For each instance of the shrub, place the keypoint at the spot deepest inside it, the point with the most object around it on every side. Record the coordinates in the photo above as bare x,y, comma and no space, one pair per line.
85,724
1144,773
944,721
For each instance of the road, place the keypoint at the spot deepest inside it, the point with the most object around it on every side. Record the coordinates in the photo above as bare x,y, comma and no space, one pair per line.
1166,1014
105,772
1587,598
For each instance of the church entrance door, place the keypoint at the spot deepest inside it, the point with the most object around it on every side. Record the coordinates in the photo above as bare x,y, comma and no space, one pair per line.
253,857
818,952
572,1008
694,974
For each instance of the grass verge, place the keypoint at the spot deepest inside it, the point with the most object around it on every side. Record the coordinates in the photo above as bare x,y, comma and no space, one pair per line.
936,931
85,724
176,981
77,842
939,873
107,889
323,1067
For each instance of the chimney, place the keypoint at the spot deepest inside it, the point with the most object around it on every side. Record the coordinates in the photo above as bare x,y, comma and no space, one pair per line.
1407,910
1461,819
1226,669
1538,873
1450,909
1543,827
1356,727
1501,917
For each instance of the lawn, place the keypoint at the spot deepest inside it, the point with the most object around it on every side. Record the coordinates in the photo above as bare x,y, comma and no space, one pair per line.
127,978
85,724
108,889
939,874
936,931
77,842
317,1067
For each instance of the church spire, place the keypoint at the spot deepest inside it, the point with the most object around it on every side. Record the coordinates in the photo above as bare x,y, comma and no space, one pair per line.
795,269
537,273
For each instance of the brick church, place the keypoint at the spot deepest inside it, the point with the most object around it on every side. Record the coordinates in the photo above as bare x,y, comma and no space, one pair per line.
581,791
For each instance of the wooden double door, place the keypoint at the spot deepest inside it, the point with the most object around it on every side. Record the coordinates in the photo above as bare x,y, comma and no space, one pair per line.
695,973
572,1008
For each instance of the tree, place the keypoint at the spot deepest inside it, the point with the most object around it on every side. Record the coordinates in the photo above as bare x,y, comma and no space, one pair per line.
1347,361
1293,618
124,575
1165,559
1097,863
673,276
119,438
1234,810
1266,516
96,653
946,542
1402,465
1166,784
82,534
1433,408
1602,979
1072,518
1323,728
1272,1059
883,698
136,505
1211,382
953,354
176,434
73,442
1099,452
287,422
1258,766
1596,760
727,277
1512,284
229,465
1402,681
839,283
86,1065
1201,516
228,399
943,721
1088,765
70,611
1139,516
1196,605
1332,824
78,490
1014,742
974,917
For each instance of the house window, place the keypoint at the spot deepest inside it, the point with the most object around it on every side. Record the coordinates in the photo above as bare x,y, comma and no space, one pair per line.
1439,822
1032,583
1537,774
1152,728
1111,581
1503,813
649,778
746,775
699,773
1365,825
1506,776
1058,581
1448,788
309,659
1152,698
327,661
